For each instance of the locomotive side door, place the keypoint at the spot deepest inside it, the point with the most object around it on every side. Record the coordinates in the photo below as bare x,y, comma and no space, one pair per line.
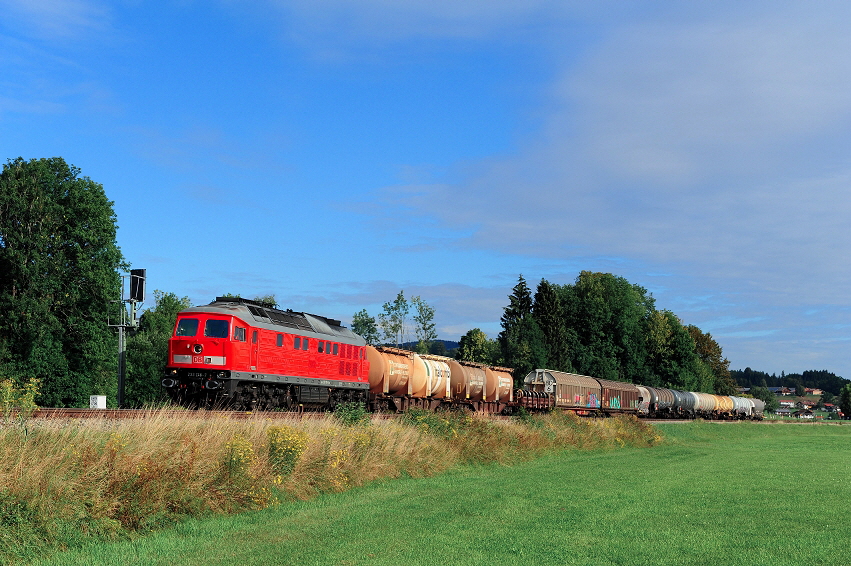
254,350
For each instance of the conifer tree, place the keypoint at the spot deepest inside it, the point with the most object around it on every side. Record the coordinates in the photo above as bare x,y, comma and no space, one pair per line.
547,311
521,340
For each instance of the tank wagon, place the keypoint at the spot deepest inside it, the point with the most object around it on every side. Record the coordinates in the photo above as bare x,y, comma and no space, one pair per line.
248,355
400,379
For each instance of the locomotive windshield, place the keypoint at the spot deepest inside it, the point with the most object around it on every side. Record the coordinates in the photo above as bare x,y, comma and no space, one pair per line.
216,329
187,327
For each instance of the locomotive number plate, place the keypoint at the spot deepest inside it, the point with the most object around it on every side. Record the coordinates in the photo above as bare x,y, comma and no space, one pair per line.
197,359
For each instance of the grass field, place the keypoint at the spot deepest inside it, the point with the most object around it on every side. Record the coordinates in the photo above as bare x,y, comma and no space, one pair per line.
67,483
710,494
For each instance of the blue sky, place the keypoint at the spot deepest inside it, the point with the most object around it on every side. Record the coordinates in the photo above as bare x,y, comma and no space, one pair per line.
333,152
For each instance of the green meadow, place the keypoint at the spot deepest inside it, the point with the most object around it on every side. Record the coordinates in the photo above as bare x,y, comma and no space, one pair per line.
708,493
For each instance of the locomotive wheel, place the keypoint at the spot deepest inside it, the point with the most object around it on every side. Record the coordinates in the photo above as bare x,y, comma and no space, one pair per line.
289,400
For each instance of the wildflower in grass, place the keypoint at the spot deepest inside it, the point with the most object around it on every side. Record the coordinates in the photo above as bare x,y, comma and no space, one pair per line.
328,434
339,476
286,445
262,497
116,442
238,456
360,439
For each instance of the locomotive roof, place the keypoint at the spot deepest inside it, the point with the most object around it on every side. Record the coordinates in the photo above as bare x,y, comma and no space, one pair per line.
268,316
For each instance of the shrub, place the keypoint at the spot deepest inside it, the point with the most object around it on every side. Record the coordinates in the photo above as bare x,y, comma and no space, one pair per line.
18,400
352,413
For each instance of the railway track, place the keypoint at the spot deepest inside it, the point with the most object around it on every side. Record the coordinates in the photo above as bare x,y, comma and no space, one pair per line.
148,413
117,414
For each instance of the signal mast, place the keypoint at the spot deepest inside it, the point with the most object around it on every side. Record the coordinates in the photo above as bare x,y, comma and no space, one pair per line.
128,320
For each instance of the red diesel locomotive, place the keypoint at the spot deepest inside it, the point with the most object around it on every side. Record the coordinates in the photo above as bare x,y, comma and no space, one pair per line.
248,355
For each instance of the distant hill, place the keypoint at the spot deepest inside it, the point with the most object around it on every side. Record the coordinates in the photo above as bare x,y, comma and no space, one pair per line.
438,347
815,379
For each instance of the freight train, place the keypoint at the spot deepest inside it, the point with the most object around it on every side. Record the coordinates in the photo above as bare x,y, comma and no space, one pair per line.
249,355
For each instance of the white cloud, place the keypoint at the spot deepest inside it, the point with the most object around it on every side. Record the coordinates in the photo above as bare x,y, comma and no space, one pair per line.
675,105
344,21
56,19
717,146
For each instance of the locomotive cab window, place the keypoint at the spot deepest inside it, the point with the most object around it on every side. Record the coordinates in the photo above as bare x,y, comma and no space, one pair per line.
216,328
187,327
254,337
239,334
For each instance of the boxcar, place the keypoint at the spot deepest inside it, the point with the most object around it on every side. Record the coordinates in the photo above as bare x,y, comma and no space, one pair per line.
570,391
618,397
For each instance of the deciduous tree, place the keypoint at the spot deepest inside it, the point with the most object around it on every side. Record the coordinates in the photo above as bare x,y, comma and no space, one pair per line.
59,280
147,349
709,352
424,321
475,346
770,399
392,321
845,400
609,318
365,326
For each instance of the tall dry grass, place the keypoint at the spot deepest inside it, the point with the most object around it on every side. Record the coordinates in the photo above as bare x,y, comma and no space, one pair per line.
61,482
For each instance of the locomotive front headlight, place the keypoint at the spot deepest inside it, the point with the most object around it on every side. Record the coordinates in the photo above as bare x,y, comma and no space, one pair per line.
198,348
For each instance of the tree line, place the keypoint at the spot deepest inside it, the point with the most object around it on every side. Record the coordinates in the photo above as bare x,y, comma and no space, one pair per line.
603,326
813,379
835,389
